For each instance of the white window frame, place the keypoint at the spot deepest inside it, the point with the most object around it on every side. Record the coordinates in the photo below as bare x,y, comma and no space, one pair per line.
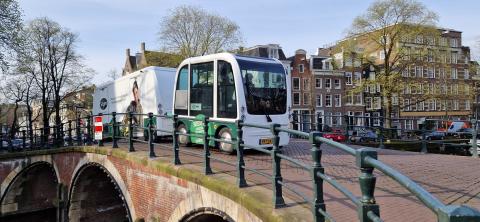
301,68
318,80
349,78
293,83
339,97
299,99
328,100
319,100
328,83
339,83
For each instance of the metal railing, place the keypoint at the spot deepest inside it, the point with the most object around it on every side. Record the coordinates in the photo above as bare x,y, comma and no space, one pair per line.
365,159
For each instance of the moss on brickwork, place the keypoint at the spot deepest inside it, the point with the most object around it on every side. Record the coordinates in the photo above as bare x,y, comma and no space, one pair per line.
257,200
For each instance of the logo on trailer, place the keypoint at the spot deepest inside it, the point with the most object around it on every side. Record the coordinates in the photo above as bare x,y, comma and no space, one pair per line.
103,103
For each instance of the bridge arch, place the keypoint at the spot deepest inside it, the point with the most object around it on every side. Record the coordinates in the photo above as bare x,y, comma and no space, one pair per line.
30,187
97,192
206,214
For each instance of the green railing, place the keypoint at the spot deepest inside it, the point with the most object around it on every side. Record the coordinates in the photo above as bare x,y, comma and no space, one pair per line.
365,158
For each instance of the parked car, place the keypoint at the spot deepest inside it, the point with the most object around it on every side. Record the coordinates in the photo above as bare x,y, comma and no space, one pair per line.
435,135
465,133
366,136
336,136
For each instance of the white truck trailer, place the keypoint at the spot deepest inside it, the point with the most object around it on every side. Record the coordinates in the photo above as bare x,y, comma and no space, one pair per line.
147,90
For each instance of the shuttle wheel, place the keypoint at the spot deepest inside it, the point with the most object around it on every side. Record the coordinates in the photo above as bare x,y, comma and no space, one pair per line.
182,139
225,134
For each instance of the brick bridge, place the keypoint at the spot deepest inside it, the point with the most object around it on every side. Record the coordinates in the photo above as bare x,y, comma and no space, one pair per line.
105,184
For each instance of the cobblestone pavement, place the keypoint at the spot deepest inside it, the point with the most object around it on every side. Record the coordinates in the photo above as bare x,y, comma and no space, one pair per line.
452,179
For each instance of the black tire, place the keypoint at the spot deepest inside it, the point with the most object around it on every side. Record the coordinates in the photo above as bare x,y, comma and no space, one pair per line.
225,134
182,139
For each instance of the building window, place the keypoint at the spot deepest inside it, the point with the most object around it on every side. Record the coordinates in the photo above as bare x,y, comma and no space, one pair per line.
319,100
453,43
318,83
376,102
348,76
327,65
350,99
454,73
358,99
395,100
357,78
306,98
376,119
454,57
338,100
409,124
467,104
431,72
337,119
455,104
466,74
405,72
368,103
306,84
328,100
419,39
300,68
296,98
328,83
296,83
418,71
337,83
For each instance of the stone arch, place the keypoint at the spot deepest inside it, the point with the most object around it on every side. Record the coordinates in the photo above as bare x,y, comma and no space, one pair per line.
206,214
95,194
30,187
211,206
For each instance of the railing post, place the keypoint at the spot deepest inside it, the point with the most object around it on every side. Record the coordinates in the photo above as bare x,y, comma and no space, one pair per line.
62,135
114,130
89,130
278,200
319,125
70,139
317,168
77,131
176,158
150,135
24,140
240,161
130,132
367,184
347,128
424,141
474,139
100,142
206,148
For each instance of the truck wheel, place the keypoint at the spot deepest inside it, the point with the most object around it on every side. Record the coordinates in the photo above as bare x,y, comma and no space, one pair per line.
225,134
182,139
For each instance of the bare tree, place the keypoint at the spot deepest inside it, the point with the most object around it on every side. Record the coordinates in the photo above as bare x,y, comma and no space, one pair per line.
192,31
113,74
384,25
10,25
50,57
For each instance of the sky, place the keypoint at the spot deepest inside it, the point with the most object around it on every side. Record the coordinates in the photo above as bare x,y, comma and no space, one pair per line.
107,27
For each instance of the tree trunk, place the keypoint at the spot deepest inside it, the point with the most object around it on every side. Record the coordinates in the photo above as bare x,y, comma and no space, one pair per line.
388,112
13,128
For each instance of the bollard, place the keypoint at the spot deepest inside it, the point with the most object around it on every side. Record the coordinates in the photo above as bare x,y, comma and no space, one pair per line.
150,135
176,158
100,142
367,184
317,168
278,200
114,130
130,132
70,138
206,148
240,161
319,124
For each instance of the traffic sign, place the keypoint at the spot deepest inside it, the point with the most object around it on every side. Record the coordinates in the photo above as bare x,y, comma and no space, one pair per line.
98,127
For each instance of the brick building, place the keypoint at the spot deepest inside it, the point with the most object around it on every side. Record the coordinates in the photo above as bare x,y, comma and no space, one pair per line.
436,77
145,58
302,101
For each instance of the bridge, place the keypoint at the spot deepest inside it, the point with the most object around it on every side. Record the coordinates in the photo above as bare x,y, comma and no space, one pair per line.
308,180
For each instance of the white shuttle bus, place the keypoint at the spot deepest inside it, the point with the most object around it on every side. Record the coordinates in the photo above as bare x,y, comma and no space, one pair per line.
227,87
147,90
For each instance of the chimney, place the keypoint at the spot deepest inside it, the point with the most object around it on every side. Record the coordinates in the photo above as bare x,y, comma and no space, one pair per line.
127,52
142,47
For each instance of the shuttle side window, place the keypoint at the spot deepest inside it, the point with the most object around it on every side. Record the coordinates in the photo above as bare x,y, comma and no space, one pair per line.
181,92
201,89
226,93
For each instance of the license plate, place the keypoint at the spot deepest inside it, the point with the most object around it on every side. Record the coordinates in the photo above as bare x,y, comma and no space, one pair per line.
266,141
